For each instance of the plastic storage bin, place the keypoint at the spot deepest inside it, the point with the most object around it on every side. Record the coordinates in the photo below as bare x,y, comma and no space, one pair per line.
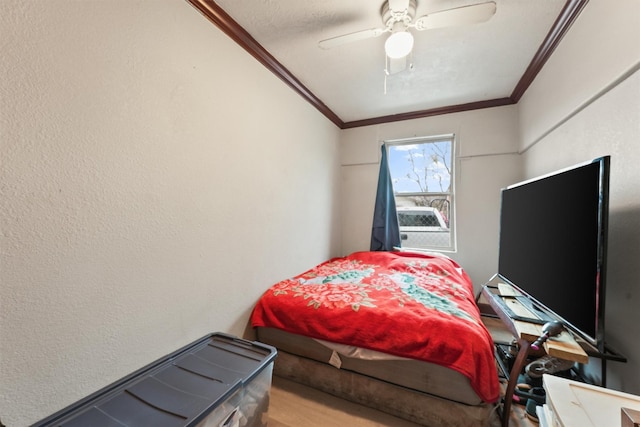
216,381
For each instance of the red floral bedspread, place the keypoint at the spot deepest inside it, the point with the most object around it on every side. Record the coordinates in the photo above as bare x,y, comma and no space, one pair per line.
405,304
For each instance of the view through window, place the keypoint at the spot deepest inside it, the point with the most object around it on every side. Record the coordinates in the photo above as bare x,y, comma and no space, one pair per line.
422,175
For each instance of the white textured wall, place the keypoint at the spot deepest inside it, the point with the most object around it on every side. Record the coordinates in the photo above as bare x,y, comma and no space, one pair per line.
487,143
586,103
601,46
155,181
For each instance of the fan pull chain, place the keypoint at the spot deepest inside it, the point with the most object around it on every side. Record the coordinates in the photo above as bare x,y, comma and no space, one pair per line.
386,72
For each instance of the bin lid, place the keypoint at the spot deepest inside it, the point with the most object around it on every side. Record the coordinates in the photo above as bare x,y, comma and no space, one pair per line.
178,390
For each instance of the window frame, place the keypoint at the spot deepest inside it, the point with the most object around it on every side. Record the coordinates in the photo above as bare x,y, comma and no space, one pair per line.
451,194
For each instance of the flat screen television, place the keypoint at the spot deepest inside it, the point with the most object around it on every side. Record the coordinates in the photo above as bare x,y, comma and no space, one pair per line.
553,244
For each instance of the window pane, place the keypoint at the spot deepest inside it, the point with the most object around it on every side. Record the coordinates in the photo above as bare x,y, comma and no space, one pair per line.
440,202
422,167
423,227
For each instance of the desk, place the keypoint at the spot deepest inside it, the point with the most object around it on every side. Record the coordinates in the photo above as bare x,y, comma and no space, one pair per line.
500,297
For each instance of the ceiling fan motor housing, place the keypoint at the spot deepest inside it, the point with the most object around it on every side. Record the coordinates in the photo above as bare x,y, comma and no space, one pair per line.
391,17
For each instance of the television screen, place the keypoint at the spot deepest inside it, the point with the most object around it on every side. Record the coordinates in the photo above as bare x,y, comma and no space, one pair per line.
553,243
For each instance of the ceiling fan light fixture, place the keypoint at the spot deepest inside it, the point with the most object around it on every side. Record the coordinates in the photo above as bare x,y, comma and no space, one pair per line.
399,44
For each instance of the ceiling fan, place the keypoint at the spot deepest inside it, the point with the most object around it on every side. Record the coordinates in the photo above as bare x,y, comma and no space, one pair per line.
398,17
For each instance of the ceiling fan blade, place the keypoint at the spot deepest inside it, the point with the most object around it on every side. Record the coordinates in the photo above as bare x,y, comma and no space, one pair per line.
351,37
464,15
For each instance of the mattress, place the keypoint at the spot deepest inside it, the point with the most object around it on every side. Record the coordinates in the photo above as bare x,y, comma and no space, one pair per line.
424,377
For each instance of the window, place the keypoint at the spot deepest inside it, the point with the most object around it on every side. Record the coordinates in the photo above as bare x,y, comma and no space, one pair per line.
422,174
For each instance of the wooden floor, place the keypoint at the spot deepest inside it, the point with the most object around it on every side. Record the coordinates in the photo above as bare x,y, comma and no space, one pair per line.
296,405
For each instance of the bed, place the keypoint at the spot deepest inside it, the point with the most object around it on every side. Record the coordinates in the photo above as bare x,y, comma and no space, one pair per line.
398,331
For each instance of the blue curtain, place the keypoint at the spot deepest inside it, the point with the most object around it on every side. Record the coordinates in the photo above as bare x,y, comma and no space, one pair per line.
385,233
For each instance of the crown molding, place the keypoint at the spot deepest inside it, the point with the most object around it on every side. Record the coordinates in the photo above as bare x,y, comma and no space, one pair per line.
214,13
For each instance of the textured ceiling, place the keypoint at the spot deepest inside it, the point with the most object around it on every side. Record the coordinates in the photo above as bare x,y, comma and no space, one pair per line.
452,66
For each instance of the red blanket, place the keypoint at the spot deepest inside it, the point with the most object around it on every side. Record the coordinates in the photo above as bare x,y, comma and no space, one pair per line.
405,304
